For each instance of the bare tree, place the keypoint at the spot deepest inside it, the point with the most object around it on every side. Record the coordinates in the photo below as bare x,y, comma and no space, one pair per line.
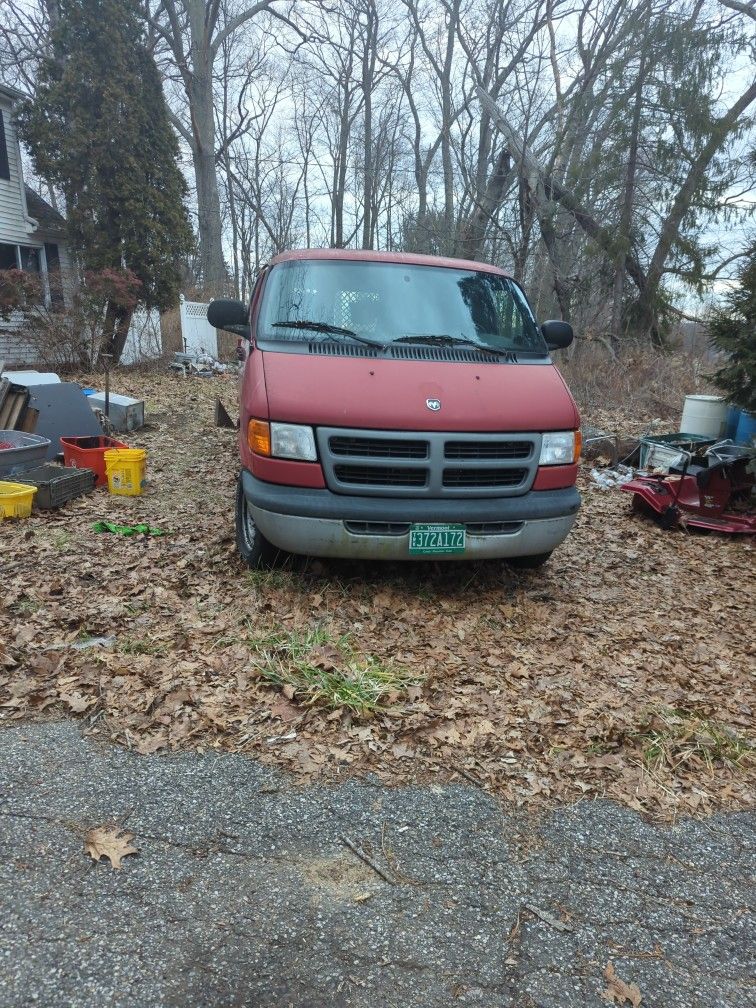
193,33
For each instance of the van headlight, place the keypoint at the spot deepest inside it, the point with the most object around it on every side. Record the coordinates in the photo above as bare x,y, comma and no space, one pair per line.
293,441
560,448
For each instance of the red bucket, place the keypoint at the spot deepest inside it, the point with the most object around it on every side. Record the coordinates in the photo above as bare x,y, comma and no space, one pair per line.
89,453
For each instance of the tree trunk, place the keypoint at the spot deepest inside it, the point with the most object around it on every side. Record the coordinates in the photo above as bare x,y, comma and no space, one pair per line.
208,198
623,238
473,233
115,330
368,74
446,121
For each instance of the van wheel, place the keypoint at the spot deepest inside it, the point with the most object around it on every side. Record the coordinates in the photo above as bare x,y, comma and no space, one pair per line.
529,562
253,547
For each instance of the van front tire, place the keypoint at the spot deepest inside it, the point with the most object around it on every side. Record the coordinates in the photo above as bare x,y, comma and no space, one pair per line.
254,549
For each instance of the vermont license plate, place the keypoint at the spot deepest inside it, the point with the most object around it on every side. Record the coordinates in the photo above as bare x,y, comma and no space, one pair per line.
428,540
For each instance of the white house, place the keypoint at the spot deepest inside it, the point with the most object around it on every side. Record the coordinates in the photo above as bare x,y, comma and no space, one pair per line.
31,234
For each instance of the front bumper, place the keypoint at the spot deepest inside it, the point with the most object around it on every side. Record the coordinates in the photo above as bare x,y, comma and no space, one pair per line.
315,522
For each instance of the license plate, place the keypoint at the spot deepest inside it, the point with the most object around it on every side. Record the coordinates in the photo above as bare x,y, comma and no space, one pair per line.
435,540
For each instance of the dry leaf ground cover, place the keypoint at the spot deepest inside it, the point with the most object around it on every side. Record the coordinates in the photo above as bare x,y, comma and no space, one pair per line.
622,669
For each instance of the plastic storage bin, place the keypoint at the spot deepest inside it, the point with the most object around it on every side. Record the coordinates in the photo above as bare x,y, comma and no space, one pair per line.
125,468
16,500
26,451
89,453
56,484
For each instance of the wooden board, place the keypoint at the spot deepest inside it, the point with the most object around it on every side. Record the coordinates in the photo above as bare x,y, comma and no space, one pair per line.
29,422
13,407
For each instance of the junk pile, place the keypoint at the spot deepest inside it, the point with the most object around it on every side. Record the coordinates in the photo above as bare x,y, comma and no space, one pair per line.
709,486
703,476
199,364
44,420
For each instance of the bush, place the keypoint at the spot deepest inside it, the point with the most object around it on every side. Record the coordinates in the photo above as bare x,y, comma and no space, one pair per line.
732,330
18,291
73,336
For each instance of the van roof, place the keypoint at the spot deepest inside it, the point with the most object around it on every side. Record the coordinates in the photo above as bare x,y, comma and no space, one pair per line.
408,258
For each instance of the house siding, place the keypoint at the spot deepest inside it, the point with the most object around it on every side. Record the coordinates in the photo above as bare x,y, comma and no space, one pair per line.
14,349
14,225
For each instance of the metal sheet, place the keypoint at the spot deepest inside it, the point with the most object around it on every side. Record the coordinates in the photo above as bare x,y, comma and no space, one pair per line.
63,412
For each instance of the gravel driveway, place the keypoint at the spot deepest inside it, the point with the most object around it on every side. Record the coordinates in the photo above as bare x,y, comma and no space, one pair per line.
244,894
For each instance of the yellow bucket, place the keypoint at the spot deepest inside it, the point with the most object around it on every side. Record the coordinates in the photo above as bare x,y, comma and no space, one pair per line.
125,468
16,500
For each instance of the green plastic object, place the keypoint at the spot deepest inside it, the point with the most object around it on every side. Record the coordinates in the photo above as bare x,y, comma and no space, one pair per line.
127,530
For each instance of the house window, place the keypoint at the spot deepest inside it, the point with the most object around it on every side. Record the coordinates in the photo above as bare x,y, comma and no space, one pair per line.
30,260
4,165
8,257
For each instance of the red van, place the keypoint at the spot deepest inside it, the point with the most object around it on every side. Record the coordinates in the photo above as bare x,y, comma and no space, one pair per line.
399,406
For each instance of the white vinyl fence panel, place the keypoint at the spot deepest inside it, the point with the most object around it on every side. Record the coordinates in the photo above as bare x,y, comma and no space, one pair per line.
144,341
197,333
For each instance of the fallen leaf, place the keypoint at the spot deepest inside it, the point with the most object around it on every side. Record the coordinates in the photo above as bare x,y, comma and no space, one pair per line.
77,702
618,992
110,841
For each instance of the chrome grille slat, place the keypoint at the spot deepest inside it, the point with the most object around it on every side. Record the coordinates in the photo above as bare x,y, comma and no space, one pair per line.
417,463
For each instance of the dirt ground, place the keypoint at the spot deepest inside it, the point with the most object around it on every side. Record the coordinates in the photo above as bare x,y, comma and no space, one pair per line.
622,669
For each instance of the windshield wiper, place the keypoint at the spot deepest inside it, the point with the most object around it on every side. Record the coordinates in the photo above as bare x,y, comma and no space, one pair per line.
442,339
326,327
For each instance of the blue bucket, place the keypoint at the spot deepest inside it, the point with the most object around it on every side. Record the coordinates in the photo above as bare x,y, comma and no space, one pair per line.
746,429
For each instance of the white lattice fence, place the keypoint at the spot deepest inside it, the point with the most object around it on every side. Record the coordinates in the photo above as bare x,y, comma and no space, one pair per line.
197,333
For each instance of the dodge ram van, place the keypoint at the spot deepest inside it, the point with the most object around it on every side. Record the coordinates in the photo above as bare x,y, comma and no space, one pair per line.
399,406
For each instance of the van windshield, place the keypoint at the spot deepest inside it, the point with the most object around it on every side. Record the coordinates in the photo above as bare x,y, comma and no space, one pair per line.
383,303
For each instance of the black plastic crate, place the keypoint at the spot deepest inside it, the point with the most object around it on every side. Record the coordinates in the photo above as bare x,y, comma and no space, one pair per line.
57,484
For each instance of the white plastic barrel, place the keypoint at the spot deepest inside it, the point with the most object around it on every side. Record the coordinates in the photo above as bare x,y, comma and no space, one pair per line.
705,415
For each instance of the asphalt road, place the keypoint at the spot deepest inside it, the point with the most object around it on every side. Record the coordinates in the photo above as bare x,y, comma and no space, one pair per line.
243,893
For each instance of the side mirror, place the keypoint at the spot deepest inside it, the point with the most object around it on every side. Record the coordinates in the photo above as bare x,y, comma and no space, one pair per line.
233,316
558,335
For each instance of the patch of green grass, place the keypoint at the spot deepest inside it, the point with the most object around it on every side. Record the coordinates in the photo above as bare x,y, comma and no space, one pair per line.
24,606
675,738
325,670
142,646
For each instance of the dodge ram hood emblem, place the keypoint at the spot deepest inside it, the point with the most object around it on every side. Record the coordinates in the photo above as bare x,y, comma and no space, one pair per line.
433,404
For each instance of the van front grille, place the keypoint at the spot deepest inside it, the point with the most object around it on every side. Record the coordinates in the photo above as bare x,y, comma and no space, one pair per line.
380,463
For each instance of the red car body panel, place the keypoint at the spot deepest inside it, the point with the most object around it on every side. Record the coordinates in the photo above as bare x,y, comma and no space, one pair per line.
288,472
555,477
392,394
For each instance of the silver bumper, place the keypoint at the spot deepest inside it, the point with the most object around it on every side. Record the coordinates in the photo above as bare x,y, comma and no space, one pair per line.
329,537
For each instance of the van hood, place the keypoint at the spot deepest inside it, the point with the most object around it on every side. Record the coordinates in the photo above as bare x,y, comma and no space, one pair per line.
393,395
